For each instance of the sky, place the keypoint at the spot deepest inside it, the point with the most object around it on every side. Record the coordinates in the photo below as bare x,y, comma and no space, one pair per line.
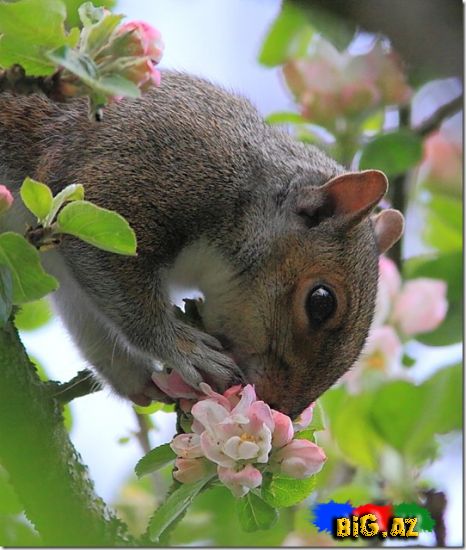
220,40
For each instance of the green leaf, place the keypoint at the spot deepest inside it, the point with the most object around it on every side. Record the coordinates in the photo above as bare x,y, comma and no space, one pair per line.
175,505
394,153
255,514
281,491
95,36
97,226
288,36
29,30
74,192
408,416
37,197
155,459
30,281
6,294
33,315
284,117
444,223
155,407
78,64
72,6
353,432
115,84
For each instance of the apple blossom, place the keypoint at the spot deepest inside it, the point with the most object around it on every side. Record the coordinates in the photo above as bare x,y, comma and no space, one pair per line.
329,84
6,199
243,437
190,470
420,306
300,458
143,40
240,481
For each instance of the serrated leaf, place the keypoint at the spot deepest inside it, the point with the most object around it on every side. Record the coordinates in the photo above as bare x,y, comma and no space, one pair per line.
6,294
288,37
78,64
29,30
96,35
97,226
394,152
282,491
33,315
74,192
155,459
30,281
255,514
37,197
175,505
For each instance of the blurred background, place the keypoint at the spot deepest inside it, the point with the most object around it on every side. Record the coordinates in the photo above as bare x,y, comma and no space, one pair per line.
323,74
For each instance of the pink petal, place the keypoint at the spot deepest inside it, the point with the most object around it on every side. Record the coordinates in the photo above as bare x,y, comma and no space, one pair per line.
240,482
190,470
213,450
222,400
300,458
187,446
283,432
305,418
174,386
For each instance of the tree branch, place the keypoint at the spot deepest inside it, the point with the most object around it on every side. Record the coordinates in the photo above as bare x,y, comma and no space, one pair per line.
445,111
15,80
43,466
83,383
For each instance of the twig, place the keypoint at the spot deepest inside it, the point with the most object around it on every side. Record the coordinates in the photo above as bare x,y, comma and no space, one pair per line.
436,503
15,80
82,384
443,112
143,433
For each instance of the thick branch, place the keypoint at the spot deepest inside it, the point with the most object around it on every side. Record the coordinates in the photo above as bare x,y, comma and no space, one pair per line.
43,466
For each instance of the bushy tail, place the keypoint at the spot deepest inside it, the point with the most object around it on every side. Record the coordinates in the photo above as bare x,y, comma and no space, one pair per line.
23,121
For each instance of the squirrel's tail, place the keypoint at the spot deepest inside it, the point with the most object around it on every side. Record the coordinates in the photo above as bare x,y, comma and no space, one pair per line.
23,133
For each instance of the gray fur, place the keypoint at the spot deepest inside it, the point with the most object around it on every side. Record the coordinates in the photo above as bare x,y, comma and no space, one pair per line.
195,169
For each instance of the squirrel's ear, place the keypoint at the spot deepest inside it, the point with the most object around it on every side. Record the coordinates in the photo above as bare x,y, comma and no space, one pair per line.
388,228
350,196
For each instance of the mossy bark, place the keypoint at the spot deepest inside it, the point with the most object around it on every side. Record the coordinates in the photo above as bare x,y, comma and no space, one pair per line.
44,467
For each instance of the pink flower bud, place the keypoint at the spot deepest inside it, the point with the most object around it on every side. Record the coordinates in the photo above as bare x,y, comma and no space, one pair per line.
240,482
388,287
305,418
187,446
421,306
300,458
283,432
144,40
6,199
190,470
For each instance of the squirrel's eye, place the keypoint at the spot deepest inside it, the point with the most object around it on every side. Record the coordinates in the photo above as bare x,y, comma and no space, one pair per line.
320,304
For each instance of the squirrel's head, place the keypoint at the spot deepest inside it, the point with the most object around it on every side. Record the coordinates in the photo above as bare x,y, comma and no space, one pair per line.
299,318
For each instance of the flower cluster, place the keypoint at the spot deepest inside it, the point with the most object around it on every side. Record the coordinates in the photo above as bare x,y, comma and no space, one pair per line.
243,437
6,199
329,84
403,309
116,57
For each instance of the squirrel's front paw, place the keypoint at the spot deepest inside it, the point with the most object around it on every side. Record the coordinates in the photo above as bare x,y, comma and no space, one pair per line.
198,358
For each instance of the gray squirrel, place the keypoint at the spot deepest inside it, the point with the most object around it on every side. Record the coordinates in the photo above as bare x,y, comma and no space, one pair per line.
280,239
